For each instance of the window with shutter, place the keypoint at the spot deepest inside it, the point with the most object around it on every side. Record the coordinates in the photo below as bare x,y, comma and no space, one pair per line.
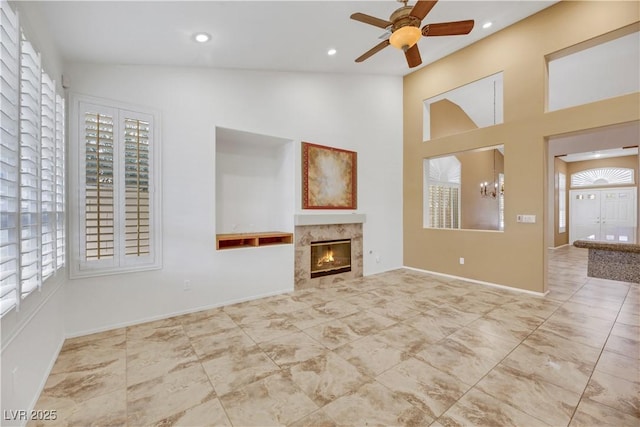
60,184
442,192
32,174
9,156
98,207
136,159
443,206
117,153
48,178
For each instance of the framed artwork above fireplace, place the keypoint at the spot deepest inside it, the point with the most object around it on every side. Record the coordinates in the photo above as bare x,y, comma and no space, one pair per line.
329,177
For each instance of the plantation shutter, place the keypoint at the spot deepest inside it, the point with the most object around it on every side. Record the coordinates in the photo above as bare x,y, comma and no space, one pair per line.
117,203
454,207
442,177
9,155
137,197
48,178
30,238
59,184
32,170
434,206
99,182
444,206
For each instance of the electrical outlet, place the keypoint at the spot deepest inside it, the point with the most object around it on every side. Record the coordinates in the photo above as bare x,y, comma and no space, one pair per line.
461,261
187,285
378,258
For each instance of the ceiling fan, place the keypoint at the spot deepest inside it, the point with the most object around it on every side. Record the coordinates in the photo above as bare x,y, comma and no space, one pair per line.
404,25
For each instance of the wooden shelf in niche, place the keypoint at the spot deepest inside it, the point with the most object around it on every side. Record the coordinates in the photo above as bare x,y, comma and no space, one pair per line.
249,240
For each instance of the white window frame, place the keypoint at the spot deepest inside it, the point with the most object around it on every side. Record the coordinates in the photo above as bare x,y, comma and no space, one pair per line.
78,266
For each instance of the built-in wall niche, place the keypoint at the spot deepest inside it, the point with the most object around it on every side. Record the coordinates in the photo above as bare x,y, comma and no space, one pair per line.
255,187
605,67
465,190
475,105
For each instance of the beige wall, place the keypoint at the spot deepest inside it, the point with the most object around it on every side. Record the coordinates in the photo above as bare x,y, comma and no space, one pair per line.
519,51
447,118
479,213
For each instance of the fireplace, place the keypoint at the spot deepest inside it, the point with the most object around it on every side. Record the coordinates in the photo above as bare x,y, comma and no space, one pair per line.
330,257
342,227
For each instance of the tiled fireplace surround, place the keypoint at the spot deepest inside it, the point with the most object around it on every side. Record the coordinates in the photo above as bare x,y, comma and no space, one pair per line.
305,234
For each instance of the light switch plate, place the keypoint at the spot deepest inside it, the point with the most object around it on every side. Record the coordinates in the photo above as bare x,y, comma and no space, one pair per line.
527,219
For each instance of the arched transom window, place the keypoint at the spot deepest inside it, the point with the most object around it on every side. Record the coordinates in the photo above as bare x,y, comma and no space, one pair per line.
601,177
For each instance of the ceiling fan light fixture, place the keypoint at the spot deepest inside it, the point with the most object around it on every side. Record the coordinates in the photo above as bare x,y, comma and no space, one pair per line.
405,37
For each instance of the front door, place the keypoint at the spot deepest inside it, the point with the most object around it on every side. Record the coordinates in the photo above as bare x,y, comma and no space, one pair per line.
603,215
584,209
618,219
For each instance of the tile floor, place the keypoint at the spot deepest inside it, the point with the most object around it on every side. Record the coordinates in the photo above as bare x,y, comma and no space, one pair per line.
398,348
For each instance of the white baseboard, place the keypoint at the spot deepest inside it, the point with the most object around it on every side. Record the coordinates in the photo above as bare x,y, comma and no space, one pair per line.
386,270
193,310
43,382
480,282
176,313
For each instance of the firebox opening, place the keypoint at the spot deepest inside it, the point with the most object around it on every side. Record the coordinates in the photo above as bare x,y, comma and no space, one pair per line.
330,257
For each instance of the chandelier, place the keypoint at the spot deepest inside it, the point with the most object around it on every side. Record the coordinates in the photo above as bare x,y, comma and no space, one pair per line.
495,188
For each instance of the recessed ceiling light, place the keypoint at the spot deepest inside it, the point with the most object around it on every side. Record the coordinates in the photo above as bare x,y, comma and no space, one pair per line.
202,37
331,52
487,25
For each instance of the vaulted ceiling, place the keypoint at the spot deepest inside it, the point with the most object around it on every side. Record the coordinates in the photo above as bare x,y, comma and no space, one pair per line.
262,35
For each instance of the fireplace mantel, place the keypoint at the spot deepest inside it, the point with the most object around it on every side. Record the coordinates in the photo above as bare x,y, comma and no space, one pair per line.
329,219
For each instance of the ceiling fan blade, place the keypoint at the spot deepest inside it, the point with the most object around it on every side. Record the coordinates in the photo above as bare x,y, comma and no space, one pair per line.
448,28
371,20
413,56
422,8
377,48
